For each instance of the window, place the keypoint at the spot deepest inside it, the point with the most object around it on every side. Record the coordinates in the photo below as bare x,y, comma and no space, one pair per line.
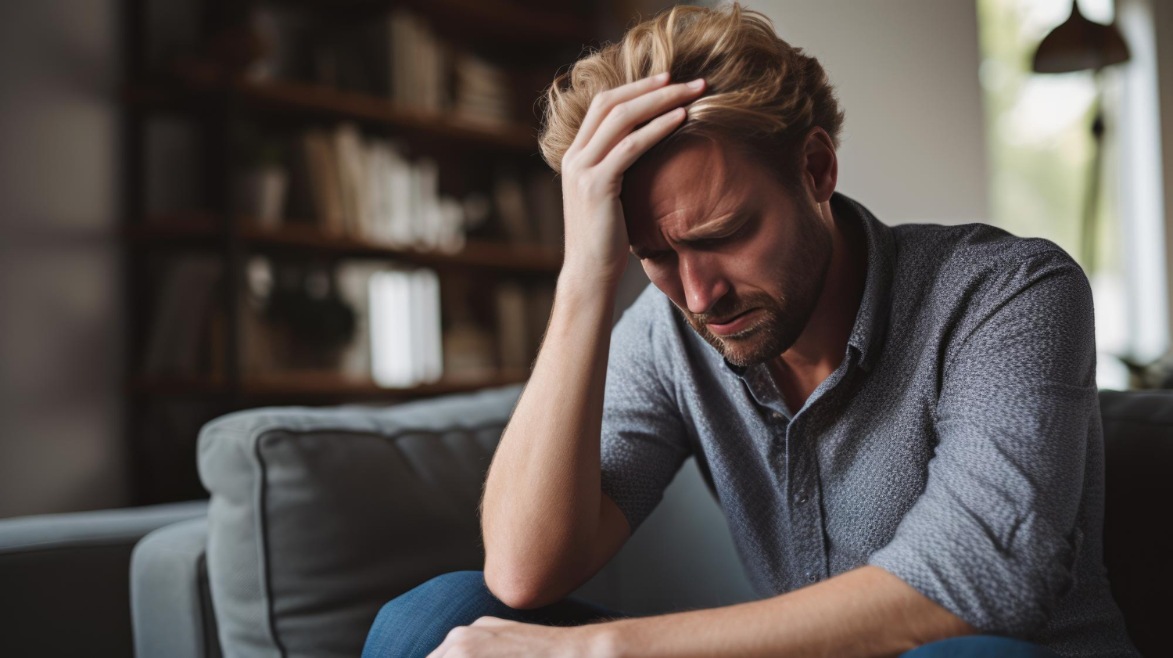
1042,149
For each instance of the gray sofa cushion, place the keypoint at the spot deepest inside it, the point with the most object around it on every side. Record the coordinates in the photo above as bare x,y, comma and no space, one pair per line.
169,597
318,517
64,579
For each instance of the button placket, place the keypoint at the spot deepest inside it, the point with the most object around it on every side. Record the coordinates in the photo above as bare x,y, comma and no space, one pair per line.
807,519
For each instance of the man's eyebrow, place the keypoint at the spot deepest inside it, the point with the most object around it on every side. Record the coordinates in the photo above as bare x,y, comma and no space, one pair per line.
716,227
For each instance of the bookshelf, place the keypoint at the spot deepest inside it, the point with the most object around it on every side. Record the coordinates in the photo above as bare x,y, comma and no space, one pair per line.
203,231
221,307
316,101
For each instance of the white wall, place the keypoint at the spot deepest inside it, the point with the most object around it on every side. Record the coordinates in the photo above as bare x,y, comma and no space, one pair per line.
61,445
913,147
1162,14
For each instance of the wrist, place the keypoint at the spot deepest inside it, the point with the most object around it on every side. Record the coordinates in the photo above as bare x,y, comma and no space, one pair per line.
592,272
606,639
588,283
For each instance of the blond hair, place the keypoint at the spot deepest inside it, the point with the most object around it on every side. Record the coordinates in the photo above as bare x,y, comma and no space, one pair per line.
762,93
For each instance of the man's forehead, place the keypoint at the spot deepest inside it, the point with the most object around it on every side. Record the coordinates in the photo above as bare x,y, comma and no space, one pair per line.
694,180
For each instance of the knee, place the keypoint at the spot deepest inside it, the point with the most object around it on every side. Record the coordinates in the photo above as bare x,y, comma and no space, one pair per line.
416,621
980,646
454,584
464,587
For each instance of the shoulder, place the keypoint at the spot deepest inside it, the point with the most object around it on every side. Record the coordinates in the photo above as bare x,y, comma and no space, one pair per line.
977,262
969,248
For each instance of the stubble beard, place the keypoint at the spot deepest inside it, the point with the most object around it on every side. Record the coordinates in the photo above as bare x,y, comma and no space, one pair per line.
780,320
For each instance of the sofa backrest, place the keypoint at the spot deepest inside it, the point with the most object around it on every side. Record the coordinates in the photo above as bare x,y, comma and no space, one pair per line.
1138,546
366,503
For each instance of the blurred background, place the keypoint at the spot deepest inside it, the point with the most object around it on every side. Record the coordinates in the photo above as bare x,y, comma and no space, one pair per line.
208,205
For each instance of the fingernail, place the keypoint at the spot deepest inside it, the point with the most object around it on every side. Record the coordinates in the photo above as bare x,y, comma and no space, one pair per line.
696,84
661,77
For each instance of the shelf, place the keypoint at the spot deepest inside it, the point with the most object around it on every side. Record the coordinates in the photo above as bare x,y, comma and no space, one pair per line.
318,101
500,23
492,21
303,385
203,230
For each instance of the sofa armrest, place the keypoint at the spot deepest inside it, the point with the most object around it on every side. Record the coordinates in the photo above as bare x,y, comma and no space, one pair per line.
319,516
65,578
171,605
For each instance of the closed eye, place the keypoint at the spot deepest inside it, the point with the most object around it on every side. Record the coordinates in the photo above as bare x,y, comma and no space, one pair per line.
656,256
711,243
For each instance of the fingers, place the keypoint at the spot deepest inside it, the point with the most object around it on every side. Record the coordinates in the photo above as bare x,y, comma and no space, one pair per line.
625,116
492,621
630,148
602,103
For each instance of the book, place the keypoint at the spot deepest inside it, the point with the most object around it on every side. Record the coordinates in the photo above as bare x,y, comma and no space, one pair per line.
419,62
482,90
182,318
321,166
349,156
404,327
367,188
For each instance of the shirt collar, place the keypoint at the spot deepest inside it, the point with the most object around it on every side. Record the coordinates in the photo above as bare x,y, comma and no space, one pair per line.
871,322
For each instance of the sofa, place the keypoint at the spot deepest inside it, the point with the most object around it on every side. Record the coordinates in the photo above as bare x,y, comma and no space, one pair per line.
318,516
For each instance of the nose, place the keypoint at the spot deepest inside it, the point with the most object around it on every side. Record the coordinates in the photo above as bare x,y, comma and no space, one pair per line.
702,282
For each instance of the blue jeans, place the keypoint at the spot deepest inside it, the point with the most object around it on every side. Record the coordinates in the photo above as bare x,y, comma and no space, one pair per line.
415,623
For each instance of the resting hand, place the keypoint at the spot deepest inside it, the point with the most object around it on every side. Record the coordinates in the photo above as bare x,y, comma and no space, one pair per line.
491,637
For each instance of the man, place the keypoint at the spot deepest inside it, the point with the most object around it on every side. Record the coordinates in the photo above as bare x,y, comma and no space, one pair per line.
900,423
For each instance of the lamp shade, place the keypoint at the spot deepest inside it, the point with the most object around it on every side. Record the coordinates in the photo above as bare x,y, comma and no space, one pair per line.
1079,44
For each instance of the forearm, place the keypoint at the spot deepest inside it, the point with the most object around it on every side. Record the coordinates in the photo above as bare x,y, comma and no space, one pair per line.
864,612
541,506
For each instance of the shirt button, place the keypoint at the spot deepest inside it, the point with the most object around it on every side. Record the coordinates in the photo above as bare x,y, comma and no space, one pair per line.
810,576
778,416
800,499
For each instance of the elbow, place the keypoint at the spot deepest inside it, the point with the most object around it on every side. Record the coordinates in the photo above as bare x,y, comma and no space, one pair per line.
517,589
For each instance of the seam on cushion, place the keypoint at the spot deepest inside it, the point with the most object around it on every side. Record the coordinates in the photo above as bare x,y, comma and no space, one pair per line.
266,576
204,595
53,547
1140,419
364,432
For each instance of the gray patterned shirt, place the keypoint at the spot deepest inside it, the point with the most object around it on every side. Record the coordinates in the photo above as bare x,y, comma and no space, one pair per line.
958,445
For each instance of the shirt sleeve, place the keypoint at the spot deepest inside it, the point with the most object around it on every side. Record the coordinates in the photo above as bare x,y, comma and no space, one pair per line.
643,441
995,535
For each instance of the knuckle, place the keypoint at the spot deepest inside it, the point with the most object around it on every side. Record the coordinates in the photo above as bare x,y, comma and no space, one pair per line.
620,112
600,100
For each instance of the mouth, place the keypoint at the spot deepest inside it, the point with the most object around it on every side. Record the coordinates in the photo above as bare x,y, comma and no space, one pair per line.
732,325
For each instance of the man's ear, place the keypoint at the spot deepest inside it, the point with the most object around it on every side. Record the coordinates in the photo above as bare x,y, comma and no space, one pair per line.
820,166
